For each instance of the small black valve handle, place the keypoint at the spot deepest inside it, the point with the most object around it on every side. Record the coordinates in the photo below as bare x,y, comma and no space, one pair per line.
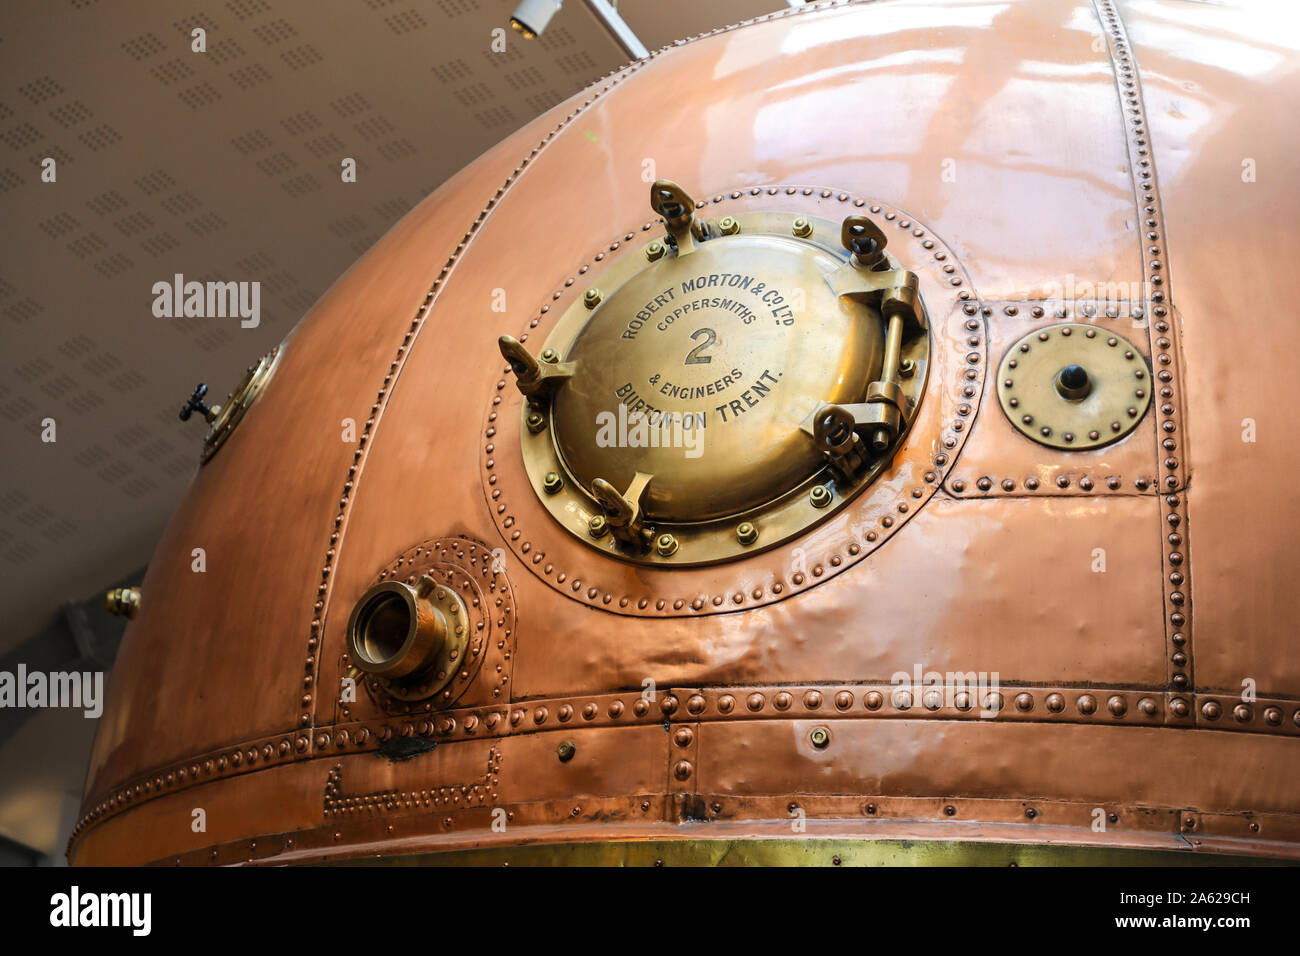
197,404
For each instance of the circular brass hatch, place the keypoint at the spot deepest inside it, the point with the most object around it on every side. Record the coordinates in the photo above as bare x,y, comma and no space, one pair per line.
729,386
705,356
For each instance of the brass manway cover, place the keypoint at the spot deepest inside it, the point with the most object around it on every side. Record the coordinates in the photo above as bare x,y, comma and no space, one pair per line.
1074,386
726,388
232,411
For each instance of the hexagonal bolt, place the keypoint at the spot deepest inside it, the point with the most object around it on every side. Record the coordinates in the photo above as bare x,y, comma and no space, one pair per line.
536,422
566,750
820,496
592,298
666,545
552,483
802,228
598,526
728,226
820,737
906,368
549,355
655,251
746,532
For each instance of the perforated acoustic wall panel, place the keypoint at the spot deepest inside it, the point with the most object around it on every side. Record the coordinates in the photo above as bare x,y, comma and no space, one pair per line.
216,165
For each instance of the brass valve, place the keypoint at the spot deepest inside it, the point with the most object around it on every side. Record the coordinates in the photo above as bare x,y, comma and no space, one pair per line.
195,403
123,601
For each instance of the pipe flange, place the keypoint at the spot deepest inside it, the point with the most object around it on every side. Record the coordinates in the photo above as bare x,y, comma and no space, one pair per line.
409,640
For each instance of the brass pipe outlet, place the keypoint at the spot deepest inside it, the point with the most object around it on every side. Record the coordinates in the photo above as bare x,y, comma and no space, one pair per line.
398,632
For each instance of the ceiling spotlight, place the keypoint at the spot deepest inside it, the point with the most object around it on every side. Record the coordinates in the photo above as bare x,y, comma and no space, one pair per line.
532,17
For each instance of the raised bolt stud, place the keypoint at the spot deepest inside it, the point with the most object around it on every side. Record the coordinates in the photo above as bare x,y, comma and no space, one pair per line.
820,496
592,298
802,228
566,750
728,225
597,526
906,368
820,737
666,545
1073,383
549,355
536,422
552,483
746,532
655,251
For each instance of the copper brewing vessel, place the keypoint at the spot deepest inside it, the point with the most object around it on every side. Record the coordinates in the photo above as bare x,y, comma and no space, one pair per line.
1118,170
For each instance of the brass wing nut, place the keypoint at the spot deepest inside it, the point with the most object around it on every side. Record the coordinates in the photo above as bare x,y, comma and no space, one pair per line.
534,379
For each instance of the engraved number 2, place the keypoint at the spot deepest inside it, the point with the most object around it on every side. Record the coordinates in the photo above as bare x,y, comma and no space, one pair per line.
694,356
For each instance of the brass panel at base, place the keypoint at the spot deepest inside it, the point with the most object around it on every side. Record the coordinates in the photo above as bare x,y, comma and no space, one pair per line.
810,851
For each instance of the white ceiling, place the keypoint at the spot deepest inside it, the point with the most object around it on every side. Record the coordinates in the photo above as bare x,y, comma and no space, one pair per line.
216,165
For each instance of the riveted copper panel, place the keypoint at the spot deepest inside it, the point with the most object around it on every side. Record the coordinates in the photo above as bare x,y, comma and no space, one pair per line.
280,506
1067,763
874,780
999,461
1244,517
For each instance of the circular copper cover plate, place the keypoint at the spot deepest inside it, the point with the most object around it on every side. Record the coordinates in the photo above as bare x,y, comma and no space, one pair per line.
1113,393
